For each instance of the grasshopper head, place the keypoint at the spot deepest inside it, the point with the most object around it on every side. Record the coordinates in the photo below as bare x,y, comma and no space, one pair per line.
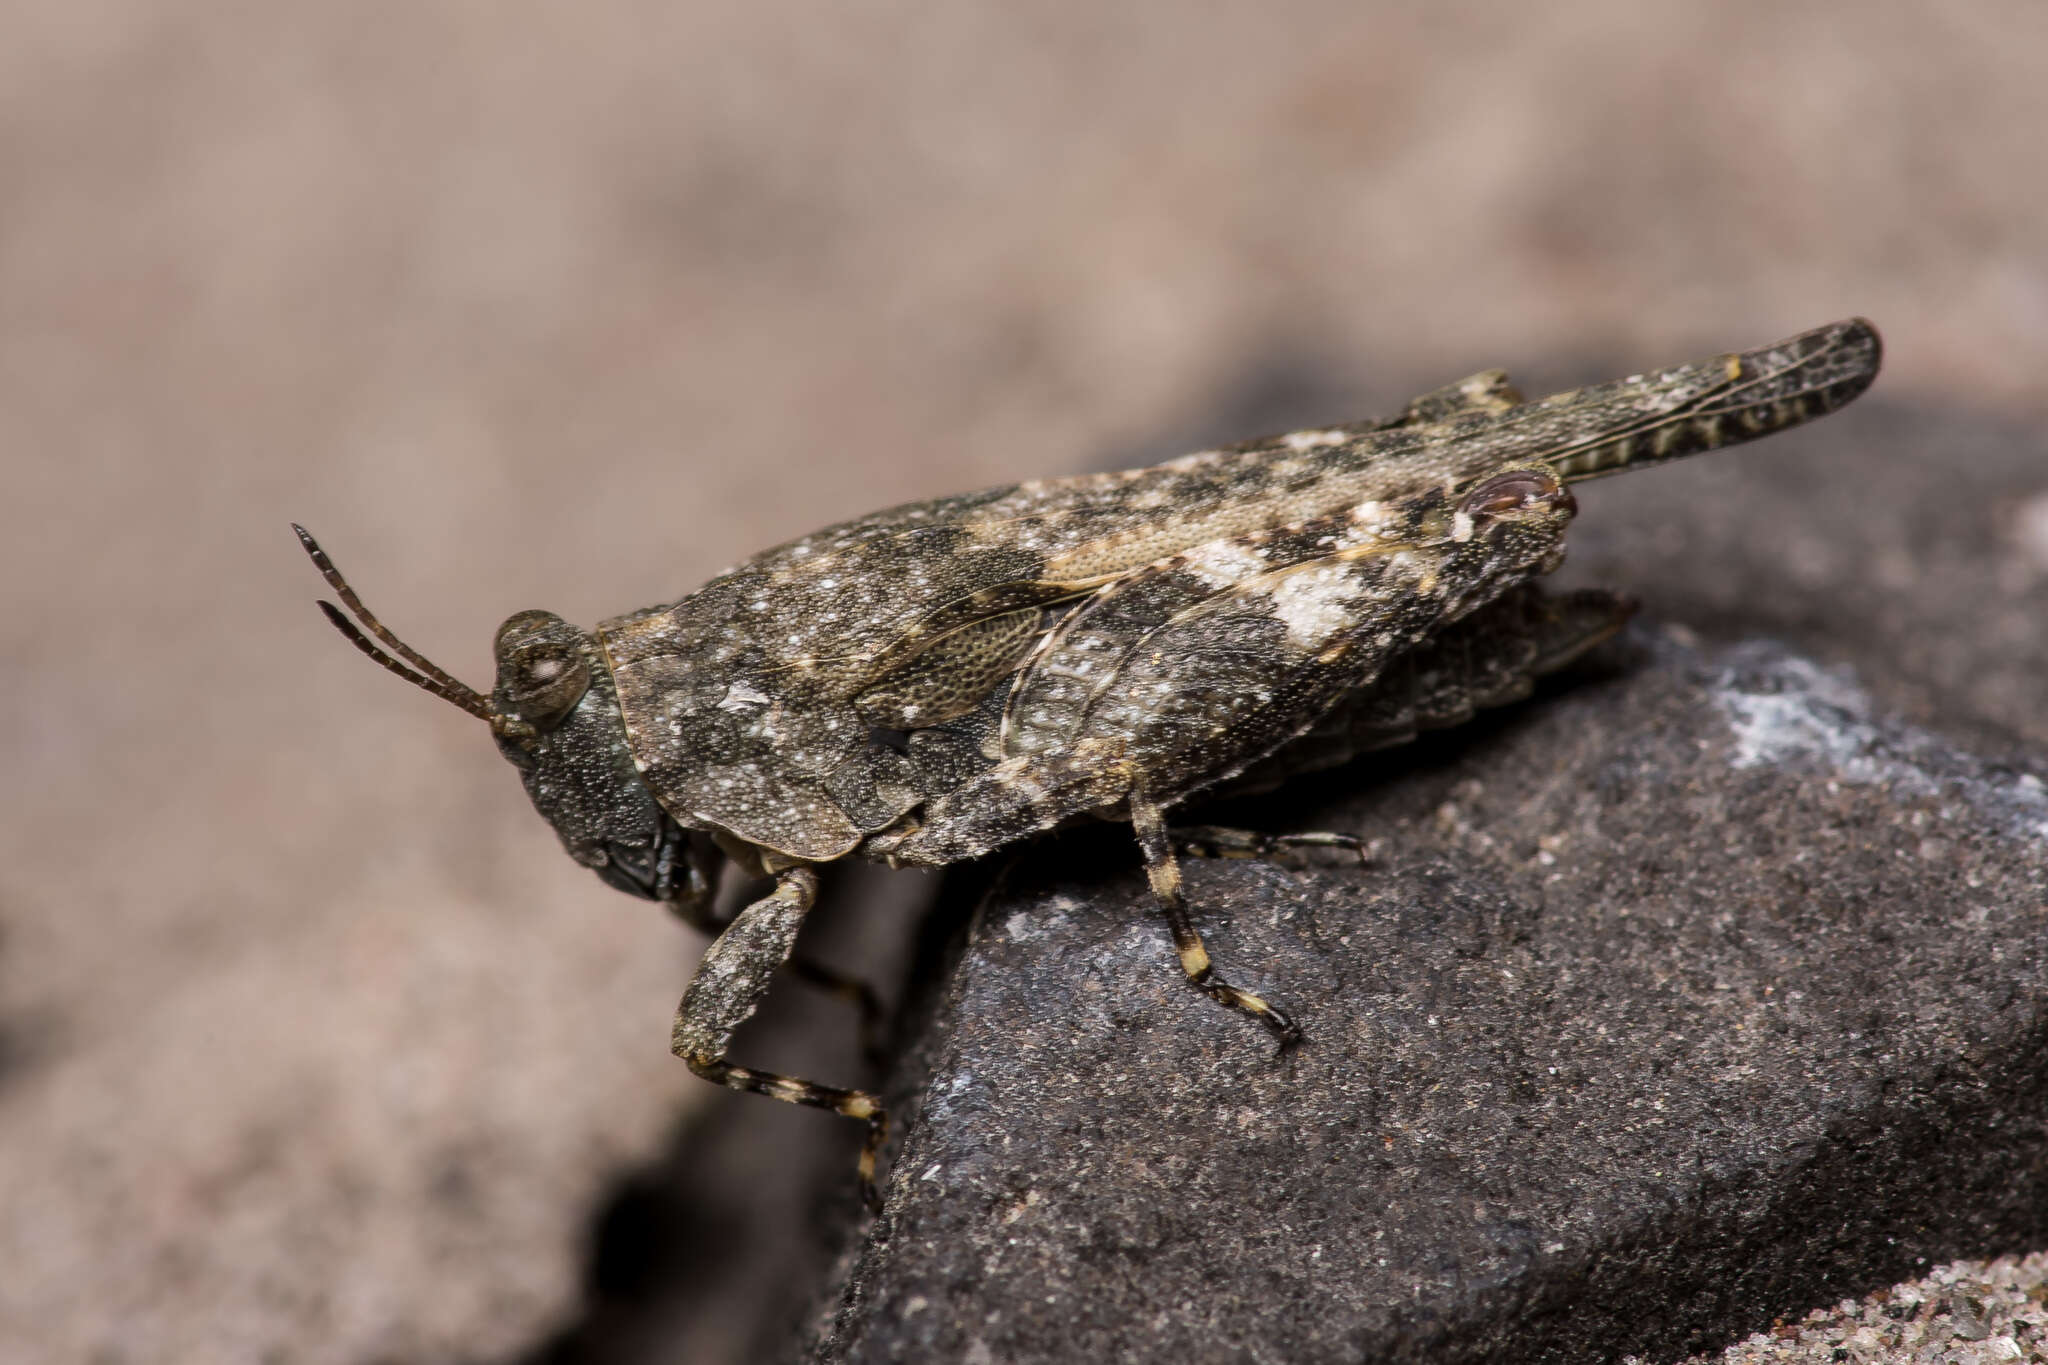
555,716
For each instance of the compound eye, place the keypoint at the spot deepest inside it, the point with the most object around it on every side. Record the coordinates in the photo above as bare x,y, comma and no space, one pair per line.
1516,490
550,686
543,670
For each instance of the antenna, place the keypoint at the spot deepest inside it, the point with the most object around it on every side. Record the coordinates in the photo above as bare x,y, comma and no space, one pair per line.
429,675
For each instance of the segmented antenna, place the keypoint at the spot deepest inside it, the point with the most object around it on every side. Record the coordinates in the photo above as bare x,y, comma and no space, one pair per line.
429,676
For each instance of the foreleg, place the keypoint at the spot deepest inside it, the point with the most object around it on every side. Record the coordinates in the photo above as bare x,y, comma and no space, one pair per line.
698,914
730,982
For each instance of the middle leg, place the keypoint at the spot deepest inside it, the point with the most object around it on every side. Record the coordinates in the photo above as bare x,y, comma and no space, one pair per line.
1024,796
1164,874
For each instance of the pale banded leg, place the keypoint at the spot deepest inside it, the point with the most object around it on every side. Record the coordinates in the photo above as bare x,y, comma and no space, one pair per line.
730,982
1164,874
1024,795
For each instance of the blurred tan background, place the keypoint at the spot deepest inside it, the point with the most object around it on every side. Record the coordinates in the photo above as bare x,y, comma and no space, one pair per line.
313,1046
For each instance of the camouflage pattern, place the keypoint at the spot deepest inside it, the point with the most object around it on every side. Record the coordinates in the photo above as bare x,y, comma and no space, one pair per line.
933,682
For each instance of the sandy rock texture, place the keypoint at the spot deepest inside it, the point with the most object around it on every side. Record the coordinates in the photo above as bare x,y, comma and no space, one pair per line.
313,1047
1966,1313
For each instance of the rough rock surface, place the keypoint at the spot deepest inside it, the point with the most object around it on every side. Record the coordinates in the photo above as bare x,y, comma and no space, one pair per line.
1696,992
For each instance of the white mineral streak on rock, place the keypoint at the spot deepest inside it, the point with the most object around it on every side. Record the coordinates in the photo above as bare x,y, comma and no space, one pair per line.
1786,710
1808,712
1034,921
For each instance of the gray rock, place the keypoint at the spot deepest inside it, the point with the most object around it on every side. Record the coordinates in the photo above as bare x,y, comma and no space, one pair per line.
1701,989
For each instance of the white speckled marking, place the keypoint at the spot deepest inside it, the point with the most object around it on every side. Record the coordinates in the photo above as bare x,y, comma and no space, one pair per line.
1223,562
1315,603
742,696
